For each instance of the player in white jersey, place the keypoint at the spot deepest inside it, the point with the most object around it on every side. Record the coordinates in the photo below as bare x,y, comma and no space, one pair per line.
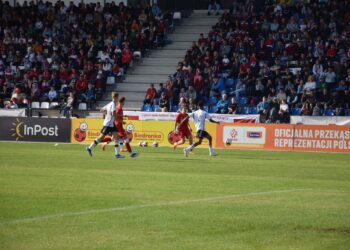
108,126
199,118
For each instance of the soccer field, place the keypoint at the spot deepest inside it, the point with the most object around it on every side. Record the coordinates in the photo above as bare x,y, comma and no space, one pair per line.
57,197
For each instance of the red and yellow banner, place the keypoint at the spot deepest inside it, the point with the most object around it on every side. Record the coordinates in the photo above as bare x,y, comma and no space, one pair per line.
84,131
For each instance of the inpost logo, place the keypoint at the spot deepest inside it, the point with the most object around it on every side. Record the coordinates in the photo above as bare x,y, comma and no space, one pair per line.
21,130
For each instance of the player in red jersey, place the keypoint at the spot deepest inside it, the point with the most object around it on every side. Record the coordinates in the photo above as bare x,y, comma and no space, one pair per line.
182,128
118,123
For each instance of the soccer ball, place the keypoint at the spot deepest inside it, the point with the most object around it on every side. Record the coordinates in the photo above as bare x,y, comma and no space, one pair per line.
144,144
155,144
228,141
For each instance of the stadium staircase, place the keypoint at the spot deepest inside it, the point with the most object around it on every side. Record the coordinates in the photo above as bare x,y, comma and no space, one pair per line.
161,62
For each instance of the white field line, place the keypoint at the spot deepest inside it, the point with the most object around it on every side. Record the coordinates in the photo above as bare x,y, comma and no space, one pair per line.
132,207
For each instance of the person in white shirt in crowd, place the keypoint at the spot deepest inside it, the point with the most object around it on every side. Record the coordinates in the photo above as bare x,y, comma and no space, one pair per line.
52,95
317,69
330,76
310,84
199,118
283,112
108,126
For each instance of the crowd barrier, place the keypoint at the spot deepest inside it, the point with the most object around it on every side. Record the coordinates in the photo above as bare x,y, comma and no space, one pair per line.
324,138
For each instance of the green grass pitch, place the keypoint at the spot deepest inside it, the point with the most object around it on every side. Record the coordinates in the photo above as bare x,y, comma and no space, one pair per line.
57,197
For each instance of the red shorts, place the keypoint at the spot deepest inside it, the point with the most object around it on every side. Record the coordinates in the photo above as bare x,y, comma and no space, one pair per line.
185,133
121,131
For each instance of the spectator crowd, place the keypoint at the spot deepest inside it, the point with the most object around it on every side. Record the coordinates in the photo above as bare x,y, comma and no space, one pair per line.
291,58
56,52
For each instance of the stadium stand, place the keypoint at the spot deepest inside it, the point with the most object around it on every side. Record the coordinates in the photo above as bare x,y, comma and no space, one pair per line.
50,49
296,54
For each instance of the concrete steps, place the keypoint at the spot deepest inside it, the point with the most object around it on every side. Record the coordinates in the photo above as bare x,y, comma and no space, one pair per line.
146,79
137,87
151,70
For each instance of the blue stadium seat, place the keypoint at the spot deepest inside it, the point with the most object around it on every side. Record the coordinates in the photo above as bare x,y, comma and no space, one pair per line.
296,111
329,112
242,101
254,110
245,110
213,109
155,108
145,107
212,101
206,108
230,83
174,108
347,112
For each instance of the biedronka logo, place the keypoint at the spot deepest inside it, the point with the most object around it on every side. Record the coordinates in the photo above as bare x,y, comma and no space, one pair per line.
21,130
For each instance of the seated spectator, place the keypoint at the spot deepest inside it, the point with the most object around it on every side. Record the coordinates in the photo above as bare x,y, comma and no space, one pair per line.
68,105
126,58
35,92
330,77
310,84
281,95
317,69
13,104
191,93
306,109
182,103
214,6
90,96
164,103
263,110
274,110
52,95
292,99
150,95
192,106
284,112
222,105
317,110
233,106
160,90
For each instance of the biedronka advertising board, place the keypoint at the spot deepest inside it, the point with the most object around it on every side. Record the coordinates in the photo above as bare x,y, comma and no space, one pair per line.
84,131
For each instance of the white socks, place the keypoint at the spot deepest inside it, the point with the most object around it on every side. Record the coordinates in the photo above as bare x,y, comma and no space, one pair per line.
116,146
211,152
94,143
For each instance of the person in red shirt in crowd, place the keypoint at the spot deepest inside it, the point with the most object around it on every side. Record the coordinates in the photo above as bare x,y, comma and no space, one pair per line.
160,30
126,57
150,94
81,85
74,74
121,133
46,75
202,39
182,128
331,52
64,74
34,73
